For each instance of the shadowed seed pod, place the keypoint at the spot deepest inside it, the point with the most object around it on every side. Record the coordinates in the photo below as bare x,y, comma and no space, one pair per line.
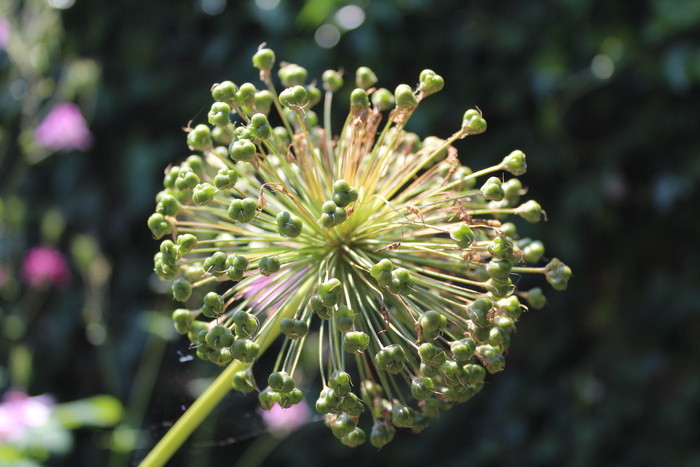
383,246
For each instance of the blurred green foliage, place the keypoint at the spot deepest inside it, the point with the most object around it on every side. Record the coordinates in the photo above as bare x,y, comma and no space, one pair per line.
601,96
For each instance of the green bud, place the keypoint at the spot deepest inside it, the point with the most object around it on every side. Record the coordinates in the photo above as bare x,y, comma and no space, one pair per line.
280,381
391,358
473,123
512,189
558,274
267,398
185,244
382,272
343,193
243,381
294,328
501,247
422,387
478,312
402,416
288,225
181,290
463,235
244,350
340,383
343,425
159,225
515,163
533,251
432,324
429,371
288,399
431,354
430,82
531,211
317,306
292,75
330,292
314,95
476,373
219,337
401,282
499,289
219,114
492,190
264,59
243,210
183,320
332,80
168,206
365,78
203,193
355,341
344,318
268,265
199,138
242,150
294,97
510,306
383,99
214,301
535,297
358,100
245,97
494,363
355,438
259,127
225,179
246,324
381,434
224,92
215,264
263,101
498,269
405,99
463,349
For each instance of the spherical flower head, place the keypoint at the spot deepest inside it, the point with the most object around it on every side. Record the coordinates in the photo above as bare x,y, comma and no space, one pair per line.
45,266
20,412
378,243
64,129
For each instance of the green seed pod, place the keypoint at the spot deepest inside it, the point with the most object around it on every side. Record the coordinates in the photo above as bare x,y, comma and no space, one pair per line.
463,235
224,92
203,193
381,434
245,97
473,123
405,99
390,359
237,262
267,398
351,405
194,162
219,114
494,363
242,150
476,373
531,211
268,265
401,282
499,289
515,163
429,371
246,324
422,387
186,179
313,94
288,225
294,98
181,290
355,341
330,292
243,381
243,210
382,272
288,399
317,306
343,193
292,75
168,206
355,438
463,349
214,301
342,425
501,247
365,78
453,374
165,269
263,101
225,179
344,319
558,274
512,189
510,306
183,320
431,320
244,350
280,381
264,59
332,80
216,264
259,127
358,100
185,244
219,337
168,252
492,190
340,383
294,328
402,416
498,269
383,99
478,312
430,82
431,355
199,138
533,251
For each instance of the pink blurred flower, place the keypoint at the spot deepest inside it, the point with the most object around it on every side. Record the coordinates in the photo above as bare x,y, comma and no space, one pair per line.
45,265
19,412
4,32
282,421
63,129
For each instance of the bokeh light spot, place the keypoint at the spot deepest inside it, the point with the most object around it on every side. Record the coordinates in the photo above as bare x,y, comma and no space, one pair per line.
327,36
350,17
602,66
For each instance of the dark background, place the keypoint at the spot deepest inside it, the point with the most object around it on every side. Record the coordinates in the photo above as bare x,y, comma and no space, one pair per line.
606,374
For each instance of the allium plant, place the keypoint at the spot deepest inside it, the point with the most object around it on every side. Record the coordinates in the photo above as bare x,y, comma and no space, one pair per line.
388,249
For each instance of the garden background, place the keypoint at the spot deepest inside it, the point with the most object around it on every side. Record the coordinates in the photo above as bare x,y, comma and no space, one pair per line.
603,97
